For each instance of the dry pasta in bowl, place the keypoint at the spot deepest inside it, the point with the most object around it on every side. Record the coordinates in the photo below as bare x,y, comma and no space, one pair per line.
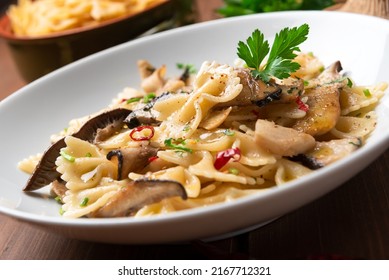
208,136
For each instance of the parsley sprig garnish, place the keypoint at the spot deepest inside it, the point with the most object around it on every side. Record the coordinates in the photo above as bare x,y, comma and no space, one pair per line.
279,63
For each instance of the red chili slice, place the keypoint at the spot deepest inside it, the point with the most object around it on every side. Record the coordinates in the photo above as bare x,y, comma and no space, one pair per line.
302,105
224,156
139,129
151,159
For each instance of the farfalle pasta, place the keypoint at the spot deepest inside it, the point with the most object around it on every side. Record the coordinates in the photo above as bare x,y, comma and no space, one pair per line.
211,137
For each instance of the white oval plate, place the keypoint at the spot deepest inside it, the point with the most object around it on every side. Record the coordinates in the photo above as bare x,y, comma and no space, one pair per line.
31,115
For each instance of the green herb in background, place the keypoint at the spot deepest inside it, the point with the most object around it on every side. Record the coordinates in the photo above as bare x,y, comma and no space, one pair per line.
246,7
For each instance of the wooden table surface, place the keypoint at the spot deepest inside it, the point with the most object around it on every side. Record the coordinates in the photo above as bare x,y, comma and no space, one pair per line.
351,222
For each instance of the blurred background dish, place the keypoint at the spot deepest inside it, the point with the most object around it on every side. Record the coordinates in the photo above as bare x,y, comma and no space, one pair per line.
38,55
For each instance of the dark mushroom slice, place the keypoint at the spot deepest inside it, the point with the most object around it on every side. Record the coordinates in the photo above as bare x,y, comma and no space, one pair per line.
146,115
138,194
46,172
257,92
141,116
103,126
131,159
325,153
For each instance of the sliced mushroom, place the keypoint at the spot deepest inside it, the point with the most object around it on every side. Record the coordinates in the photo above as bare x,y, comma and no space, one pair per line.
138,194
145,69
323,103
46,172
328,152
155,81
102,126
145,115
283,141
255,91
58,189
131,159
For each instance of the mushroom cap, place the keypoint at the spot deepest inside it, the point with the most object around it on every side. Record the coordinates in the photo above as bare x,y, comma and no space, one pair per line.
45,172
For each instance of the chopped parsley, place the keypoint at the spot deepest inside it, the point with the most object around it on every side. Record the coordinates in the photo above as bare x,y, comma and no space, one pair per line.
66,156
147,98
84,202
367,92
279,63
178,145
234,171
349,83
133,99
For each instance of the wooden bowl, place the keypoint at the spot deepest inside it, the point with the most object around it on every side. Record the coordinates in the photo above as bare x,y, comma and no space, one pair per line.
39,55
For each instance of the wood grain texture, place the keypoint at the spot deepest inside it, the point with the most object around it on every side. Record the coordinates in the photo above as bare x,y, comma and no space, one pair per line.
351,222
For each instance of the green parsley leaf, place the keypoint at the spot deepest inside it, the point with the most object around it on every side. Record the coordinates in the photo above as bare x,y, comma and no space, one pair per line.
278,68
279,63
255,50
287,41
